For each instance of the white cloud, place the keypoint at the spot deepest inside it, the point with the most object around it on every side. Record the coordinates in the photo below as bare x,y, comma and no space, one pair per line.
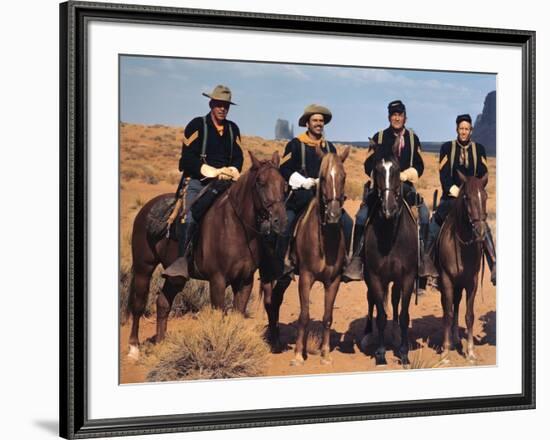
140,71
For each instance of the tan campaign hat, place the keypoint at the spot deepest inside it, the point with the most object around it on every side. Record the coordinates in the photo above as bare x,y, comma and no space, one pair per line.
220,93
314,109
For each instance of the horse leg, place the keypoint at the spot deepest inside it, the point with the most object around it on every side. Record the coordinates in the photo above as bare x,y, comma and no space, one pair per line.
367,338
379,297
217,292
304,287
404,319
164,304
273,298
447,291
470,297
395,298
137,302
457,297
330,296
241,294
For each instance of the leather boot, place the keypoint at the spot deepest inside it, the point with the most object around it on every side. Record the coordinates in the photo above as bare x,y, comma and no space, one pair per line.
179,268
427,267
490,255
354,270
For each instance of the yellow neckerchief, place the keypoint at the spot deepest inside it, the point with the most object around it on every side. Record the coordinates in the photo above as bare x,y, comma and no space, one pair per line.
304,137
219,128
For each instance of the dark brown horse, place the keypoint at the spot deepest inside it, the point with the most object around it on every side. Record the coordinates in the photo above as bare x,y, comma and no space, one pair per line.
459,251
320,248
227,251
391,256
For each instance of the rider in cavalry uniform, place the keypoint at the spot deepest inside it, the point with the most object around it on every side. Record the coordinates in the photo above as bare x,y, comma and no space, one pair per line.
469,157
301,170
412,167
211,151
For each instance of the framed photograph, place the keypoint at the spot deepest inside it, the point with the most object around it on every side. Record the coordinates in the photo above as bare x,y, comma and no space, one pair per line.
223,173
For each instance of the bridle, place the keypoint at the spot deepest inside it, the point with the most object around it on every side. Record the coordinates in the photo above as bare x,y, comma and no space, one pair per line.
325,201
263,206
471,221
397,192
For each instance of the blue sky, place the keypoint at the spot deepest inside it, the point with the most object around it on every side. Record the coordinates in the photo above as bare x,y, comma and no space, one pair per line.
168,91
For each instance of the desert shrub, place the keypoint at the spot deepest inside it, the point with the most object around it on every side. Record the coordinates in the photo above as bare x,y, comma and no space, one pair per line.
194,297
212,346
354,189
419,359
314,337
128,173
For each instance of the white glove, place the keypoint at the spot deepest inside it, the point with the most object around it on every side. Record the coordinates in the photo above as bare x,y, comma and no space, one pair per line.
234,173
296,180
208,171
453,191
410,174
309,183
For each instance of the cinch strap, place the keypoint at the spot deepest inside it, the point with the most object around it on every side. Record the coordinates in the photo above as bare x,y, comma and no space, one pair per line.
411,134
474,155
204,138
303,158
453,152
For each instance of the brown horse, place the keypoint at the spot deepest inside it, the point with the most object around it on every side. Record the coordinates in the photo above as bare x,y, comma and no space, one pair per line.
459,250
391,255
320,248
227,250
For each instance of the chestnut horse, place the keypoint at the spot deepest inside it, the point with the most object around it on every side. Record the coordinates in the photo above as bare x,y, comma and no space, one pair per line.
320,248
459,250
391,255
227,250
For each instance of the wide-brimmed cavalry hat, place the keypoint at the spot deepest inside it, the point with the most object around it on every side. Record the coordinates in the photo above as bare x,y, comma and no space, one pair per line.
220,93
396,107
466,117
314,109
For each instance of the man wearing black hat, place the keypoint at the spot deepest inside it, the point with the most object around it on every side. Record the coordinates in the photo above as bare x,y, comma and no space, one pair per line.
412,167
211,151
469,157
301,170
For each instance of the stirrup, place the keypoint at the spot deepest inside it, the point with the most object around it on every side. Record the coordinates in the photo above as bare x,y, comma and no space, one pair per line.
354,270
178,269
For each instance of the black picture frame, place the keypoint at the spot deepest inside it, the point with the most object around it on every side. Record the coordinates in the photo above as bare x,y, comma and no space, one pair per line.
74,386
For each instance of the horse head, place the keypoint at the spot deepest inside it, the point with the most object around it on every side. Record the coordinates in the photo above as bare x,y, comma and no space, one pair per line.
388,185
269,194
474,201
330,189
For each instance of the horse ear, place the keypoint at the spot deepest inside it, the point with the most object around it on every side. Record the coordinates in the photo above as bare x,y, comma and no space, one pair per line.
319,152
461,176
485,180
255,162
275,159
345,154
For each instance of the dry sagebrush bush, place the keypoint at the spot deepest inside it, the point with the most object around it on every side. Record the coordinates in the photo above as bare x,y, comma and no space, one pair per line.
212,346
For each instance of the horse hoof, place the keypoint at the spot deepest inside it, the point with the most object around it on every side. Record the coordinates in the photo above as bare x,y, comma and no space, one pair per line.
380,359
133,353
326,360
471,357
296,362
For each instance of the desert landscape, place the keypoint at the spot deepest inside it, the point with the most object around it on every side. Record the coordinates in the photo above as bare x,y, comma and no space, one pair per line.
148,167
